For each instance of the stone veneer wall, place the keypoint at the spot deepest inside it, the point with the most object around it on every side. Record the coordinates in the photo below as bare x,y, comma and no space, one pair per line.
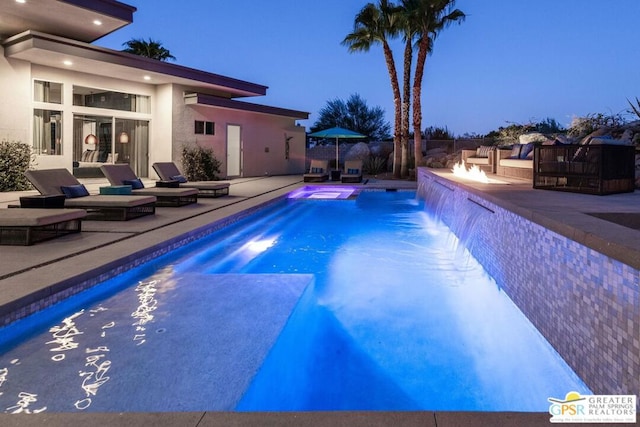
586,304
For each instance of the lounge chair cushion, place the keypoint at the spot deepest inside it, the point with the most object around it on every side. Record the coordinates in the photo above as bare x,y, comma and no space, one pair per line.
110,201
73,191
180,178
317,170
136,184
25,217
353,171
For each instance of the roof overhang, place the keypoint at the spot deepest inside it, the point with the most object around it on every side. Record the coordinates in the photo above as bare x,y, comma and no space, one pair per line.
73,19
51,51
214,101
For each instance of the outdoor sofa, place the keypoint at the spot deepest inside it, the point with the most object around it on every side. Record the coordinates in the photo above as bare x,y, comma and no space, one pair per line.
122,174
352,171
318,171
484,157
516,162
56,182
29,226
170,175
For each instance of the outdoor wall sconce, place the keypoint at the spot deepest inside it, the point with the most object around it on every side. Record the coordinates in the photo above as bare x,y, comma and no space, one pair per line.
91,139
123,138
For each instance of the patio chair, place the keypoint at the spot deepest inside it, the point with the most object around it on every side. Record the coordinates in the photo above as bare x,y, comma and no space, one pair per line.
169,173
318,171
29,226
352,171
51,182
122,174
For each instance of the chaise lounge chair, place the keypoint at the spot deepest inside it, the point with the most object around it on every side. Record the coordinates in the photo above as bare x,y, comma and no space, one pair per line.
318,171
50,182
352,171
122,174
29,226
169,172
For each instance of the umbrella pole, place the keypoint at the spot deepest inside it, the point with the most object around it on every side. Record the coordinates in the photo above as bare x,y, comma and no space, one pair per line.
337,152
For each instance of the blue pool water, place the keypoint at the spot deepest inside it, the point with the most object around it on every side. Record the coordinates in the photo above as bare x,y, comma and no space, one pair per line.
396,319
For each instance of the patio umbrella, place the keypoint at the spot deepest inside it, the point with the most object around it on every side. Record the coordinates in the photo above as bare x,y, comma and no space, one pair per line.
336,133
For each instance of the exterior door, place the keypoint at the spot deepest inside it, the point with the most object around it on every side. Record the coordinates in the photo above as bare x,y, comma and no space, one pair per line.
234,151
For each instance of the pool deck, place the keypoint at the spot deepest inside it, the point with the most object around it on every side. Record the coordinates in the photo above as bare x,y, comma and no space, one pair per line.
47,266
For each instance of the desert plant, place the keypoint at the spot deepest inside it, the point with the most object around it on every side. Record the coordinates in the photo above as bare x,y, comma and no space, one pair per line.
15,158
582,126
199,163
635,108
438,133
374,165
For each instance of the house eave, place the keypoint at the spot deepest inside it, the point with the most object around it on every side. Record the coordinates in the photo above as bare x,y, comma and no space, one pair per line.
49,50
214,101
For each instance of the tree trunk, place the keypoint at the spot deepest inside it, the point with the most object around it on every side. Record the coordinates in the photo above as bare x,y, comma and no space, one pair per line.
423,49
406,105
397,106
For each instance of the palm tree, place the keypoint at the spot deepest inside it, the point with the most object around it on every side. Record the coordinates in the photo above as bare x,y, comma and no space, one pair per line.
148,48
376,24
425,19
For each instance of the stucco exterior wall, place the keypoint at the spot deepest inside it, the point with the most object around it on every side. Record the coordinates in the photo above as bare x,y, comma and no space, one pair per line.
263,137
15,112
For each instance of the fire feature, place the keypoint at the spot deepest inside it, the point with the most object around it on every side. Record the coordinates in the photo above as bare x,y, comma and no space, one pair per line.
474,173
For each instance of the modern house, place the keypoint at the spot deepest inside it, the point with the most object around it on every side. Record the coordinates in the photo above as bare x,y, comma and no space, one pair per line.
80,105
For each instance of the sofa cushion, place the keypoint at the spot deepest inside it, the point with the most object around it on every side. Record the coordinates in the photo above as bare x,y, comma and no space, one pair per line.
515,151
526,149
483,151
478,161
517,163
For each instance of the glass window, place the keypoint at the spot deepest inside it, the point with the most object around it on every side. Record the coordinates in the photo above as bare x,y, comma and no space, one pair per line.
47,132
100,98
47,92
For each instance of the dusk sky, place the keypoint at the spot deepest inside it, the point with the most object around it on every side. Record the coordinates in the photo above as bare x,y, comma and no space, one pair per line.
510,61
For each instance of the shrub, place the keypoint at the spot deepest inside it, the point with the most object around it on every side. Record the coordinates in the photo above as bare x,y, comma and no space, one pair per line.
582,126
15,158
374,165
199,163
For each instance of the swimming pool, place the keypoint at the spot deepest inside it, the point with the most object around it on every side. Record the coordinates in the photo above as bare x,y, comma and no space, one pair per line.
354,304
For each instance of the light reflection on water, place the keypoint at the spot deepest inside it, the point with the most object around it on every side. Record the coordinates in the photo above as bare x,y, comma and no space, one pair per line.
393,278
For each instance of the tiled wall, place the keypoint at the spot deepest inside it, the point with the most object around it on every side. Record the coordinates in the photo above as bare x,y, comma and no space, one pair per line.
585,303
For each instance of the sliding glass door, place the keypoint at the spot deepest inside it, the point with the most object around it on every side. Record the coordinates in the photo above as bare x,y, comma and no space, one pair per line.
102,139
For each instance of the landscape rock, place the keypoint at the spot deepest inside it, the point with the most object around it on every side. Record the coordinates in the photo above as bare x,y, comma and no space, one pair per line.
359,151
532,137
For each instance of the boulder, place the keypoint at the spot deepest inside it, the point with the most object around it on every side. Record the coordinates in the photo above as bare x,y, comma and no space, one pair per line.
436,152
360,151
532,137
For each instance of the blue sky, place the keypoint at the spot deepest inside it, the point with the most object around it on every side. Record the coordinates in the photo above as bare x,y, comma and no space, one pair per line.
510,61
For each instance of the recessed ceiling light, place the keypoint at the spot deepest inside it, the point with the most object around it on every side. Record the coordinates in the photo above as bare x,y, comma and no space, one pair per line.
21,1
67,62
147,77
97,22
